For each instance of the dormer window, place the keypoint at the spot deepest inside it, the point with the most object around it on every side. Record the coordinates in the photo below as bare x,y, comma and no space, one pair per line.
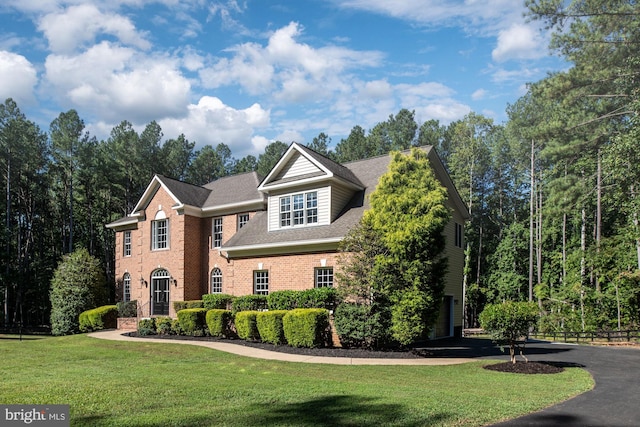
299,209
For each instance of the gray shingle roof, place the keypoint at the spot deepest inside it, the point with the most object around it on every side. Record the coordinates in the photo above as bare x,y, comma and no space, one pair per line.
233,189
187,194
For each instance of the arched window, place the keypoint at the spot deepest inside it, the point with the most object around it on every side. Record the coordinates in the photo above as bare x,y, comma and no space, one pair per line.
126,287
216,281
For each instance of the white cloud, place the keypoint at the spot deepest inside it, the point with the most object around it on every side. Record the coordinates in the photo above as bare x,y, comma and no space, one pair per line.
212,122
478,94
519,41
289,70
114,83
18,78
78,25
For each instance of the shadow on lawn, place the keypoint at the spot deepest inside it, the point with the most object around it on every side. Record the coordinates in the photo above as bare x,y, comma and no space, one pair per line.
337,411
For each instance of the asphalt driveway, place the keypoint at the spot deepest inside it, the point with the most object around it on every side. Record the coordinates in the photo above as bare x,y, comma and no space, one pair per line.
614,401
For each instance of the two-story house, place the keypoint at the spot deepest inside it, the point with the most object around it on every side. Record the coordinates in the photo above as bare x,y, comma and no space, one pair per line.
246,235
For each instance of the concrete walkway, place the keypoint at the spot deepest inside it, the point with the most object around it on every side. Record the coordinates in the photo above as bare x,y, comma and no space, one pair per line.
247,351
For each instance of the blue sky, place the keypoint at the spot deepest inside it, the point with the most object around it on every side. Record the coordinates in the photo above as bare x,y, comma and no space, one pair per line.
246,73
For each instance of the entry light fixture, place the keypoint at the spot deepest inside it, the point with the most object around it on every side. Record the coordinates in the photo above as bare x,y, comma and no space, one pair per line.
143,282
175,281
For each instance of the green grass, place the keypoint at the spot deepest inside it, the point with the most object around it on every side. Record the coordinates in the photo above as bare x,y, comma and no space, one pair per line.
110,383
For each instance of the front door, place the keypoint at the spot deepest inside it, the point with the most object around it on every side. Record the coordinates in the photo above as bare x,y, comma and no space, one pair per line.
160,293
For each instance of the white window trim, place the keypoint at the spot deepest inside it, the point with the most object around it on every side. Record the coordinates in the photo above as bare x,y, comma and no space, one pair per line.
126,286
126,243
316,276
154,235
214,244
255,282
217,276
290,213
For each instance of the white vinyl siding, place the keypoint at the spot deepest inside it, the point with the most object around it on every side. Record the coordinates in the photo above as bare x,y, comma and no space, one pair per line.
292,210
297,166
340,196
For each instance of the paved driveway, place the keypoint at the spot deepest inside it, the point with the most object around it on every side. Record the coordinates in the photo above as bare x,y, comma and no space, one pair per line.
614,401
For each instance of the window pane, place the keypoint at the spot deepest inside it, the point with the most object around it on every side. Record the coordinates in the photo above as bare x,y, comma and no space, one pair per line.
261,282
160,234
126,291
312,207
285,211
217,232
127,243
324,277
216,281
242,220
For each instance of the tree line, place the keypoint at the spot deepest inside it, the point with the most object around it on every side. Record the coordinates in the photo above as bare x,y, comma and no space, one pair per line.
554,192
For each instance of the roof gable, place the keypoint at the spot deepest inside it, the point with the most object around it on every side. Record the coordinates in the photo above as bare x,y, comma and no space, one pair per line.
183,194
301,165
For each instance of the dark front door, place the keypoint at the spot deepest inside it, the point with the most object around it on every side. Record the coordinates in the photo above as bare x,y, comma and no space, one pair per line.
160,296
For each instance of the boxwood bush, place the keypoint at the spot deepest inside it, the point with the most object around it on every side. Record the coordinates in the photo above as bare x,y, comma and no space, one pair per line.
246,327
359,327
127,309
307,327
219,301
183,305
104,317
249,303
219,322
193,321
147,326
163,325
270,326
309,298
176,328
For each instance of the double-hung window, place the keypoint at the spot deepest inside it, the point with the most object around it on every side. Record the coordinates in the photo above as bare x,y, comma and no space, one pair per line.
127,243
324,277
216,281
242,220
459,235
217,232
299,209
261,282
160,234
126,287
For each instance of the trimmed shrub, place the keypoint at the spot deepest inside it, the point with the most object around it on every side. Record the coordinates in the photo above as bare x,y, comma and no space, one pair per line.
249,303
217,301
309,298
307,327
270,326
509,322
219,322
246,327
104,317
163,325
176,328
193,321
283,300
317,298
359,327
127,309
147,326
183,305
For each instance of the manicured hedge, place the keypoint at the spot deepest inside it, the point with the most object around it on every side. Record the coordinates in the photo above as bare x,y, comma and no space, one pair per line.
147,326
249,303
183,305
127,309
104,317
246,326
217,301
309,298
358,327
219,322
193,321
307,327
270,326
163,325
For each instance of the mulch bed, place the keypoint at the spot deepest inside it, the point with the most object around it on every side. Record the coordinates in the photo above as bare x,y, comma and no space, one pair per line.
322,352
526,368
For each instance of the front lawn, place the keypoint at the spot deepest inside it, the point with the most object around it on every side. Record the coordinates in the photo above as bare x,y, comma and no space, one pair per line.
110,383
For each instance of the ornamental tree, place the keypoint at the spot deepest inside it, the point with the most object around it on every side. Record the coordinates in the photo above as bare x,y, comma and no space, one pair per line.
509,322
397,261
78,285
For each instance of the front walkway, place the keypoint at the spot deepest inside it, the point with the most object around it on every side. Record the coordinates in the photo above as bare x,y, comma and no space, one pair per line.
242,350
